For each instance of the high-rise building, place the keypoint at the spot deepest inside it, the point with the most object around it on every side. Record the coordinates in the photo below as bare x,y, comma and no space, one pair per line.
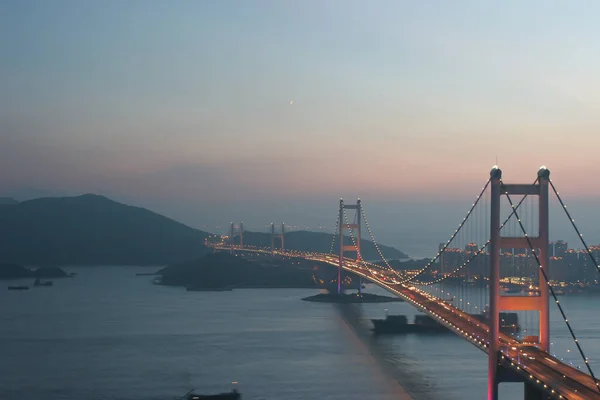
585,266
574,269
558,248
592,270
558,270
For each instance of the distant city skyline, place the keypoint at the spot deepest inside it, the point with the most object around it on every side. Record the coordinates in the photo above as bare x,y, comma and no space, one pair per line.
566,264
268,111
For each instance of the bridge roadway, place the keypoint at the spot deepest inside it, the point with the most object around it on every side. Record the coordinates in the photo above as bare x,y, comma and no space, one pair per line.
536,366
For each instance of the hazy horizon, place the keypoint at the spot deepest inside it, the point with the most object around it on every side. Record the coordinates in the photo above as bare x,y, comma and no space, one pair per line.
269,111
427,227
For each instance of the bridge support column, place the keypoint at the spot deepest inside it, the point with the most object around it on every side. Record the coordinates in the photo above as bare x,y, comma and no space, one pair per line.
341,236
494,312
544,239
276,236
233,233
500,303
355,246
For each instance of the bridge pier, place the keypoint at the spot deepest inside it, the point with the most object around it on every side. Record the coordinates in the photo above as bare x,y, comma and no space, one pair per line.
500,303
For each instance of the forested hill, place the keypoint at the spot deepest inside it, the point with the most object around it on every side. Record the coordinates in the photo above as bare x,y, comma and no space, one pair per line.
93,230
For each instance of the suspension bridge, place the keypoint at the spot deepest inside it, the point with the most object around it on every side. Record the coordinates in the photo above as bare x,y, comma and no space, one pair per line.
462,286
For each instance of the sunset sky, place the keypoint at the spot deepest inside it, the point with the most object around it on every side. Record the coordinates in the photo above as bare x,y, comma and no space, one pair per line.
211,111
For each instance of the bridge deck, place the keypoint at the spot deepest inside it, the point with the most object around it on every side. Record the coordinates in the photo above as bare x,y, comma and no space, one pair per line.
534,365
550,375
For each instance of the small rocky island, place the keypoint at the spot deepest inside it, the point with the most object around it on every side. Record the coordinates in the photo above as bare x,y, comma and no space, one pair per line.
351,298
223,271
16,271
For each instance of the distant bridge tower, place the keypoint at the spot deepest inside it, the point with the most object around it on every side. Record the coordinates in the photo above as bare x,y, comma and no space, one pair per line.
498,303
343,248
276,236
233,232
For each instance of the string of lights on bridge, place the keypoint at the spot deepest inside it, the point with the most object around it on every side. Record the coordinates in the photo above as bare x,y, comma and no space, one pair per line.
356,245
579,234
478,252
364,216
446,276
482,248
337,224
447,244
406,277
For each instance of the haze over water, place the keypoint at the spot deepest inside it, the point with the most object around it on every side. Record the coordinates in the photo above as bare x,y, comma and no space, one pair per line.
108,334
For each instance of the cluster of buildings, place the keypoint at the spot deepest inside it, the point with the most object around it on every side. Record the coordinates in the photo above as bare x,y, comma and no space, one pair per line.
566,265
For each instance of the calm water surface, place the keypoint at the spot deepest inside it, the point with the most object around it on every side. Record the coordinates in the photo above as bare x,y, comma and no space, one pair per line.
108,334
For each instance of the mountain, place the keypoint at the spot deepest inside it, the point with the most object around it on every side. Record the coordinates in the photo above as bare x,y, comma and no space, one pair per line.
93,230
8,200
320,242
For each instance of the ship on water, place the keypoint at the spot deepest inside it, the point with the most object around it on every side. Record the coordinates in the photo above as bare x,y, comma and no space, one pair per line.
399,324
18,288
233,395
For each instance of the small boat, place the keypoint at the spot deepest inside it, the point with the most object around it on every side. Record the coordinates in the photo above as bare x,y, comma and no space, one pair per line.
18,288
233,395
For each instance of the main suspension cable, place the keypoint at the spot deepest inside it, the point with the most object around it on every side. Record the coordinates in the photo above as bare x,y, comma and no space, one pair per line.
562,312
364,216
587,249
335,231
479,250
430,263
